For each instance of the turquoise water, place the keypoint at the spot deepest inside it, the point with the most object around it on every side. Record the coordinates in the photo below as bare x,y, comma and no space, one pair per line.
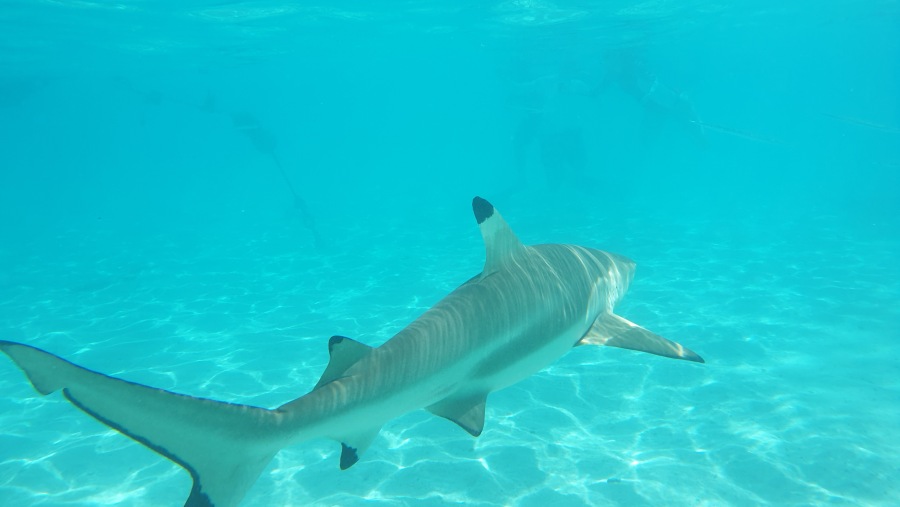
746,156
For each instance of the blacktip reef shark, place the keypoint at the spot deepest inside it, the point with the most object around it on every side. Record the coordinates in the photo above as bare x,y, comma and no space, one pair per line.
528,306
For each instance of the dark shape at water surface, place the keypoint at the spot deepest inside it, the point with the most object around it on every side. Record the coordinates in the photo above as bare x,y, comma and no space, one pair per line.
864,123
15,90
209,105
266,142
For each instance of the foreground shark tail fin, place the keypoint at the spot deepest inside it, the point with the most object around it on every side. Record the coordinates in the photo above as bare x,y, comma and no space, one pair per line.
223,446
500,242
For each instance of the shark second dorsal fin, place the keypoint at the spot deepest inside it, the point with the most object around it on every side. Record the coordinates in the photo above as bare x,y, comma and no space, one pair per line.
500,242
344,353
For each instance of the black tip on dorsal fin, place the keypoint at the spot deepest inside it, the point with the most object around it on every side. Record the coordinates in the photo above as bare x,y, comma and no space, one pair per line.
499,240
482,209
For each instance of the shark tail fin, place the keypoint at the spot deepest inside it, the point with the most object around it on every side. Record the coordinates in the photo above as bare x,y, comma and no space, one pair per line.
223,446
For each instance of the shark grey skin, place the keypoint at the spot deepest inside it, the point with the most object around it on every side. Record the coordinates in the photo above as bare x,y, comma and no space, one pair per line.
527,307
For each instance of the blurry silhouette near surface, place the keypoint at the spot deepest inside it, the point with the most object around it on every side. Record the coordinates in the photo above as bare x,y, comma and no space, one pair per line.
247,124
265,142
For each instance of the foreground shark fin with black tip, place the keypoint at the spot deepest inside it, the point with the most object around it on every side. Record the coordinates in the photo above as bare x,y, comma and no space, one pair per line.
353,446
218,443
344,353
500,242
613,331
525,310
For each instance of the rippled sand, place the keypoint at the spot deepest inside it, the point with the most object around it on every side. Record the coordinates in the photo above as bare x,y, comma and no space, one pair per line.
798,403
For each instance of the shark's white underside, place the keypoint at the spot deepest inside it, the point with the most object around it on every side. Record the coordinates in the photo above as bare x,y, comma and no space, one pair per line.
528,306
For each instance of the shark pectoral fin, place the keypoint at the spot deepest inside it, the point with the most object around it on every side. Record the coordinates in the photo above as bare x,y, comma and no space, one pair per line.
466,411
352,447
613,331
223,446
500,242
344,353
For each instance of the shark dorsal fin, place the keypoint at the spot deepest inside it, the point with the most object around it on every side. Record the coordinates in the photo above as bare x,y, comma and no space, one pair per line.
500,242
344,354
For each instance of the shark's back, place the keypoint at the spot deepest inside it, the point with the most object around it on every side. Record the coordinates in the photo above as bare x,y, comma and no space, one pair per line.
533,296
499,327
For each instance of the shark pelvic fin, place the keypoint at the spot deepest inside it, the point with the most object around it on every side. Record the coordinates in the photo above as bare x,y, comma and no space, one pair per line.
613,331
344,353
466,411
354,446
223,446
500,242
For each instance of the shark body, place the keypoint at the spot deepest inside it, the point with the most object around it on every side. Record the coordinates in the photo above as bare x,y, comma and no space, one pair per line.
528,306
